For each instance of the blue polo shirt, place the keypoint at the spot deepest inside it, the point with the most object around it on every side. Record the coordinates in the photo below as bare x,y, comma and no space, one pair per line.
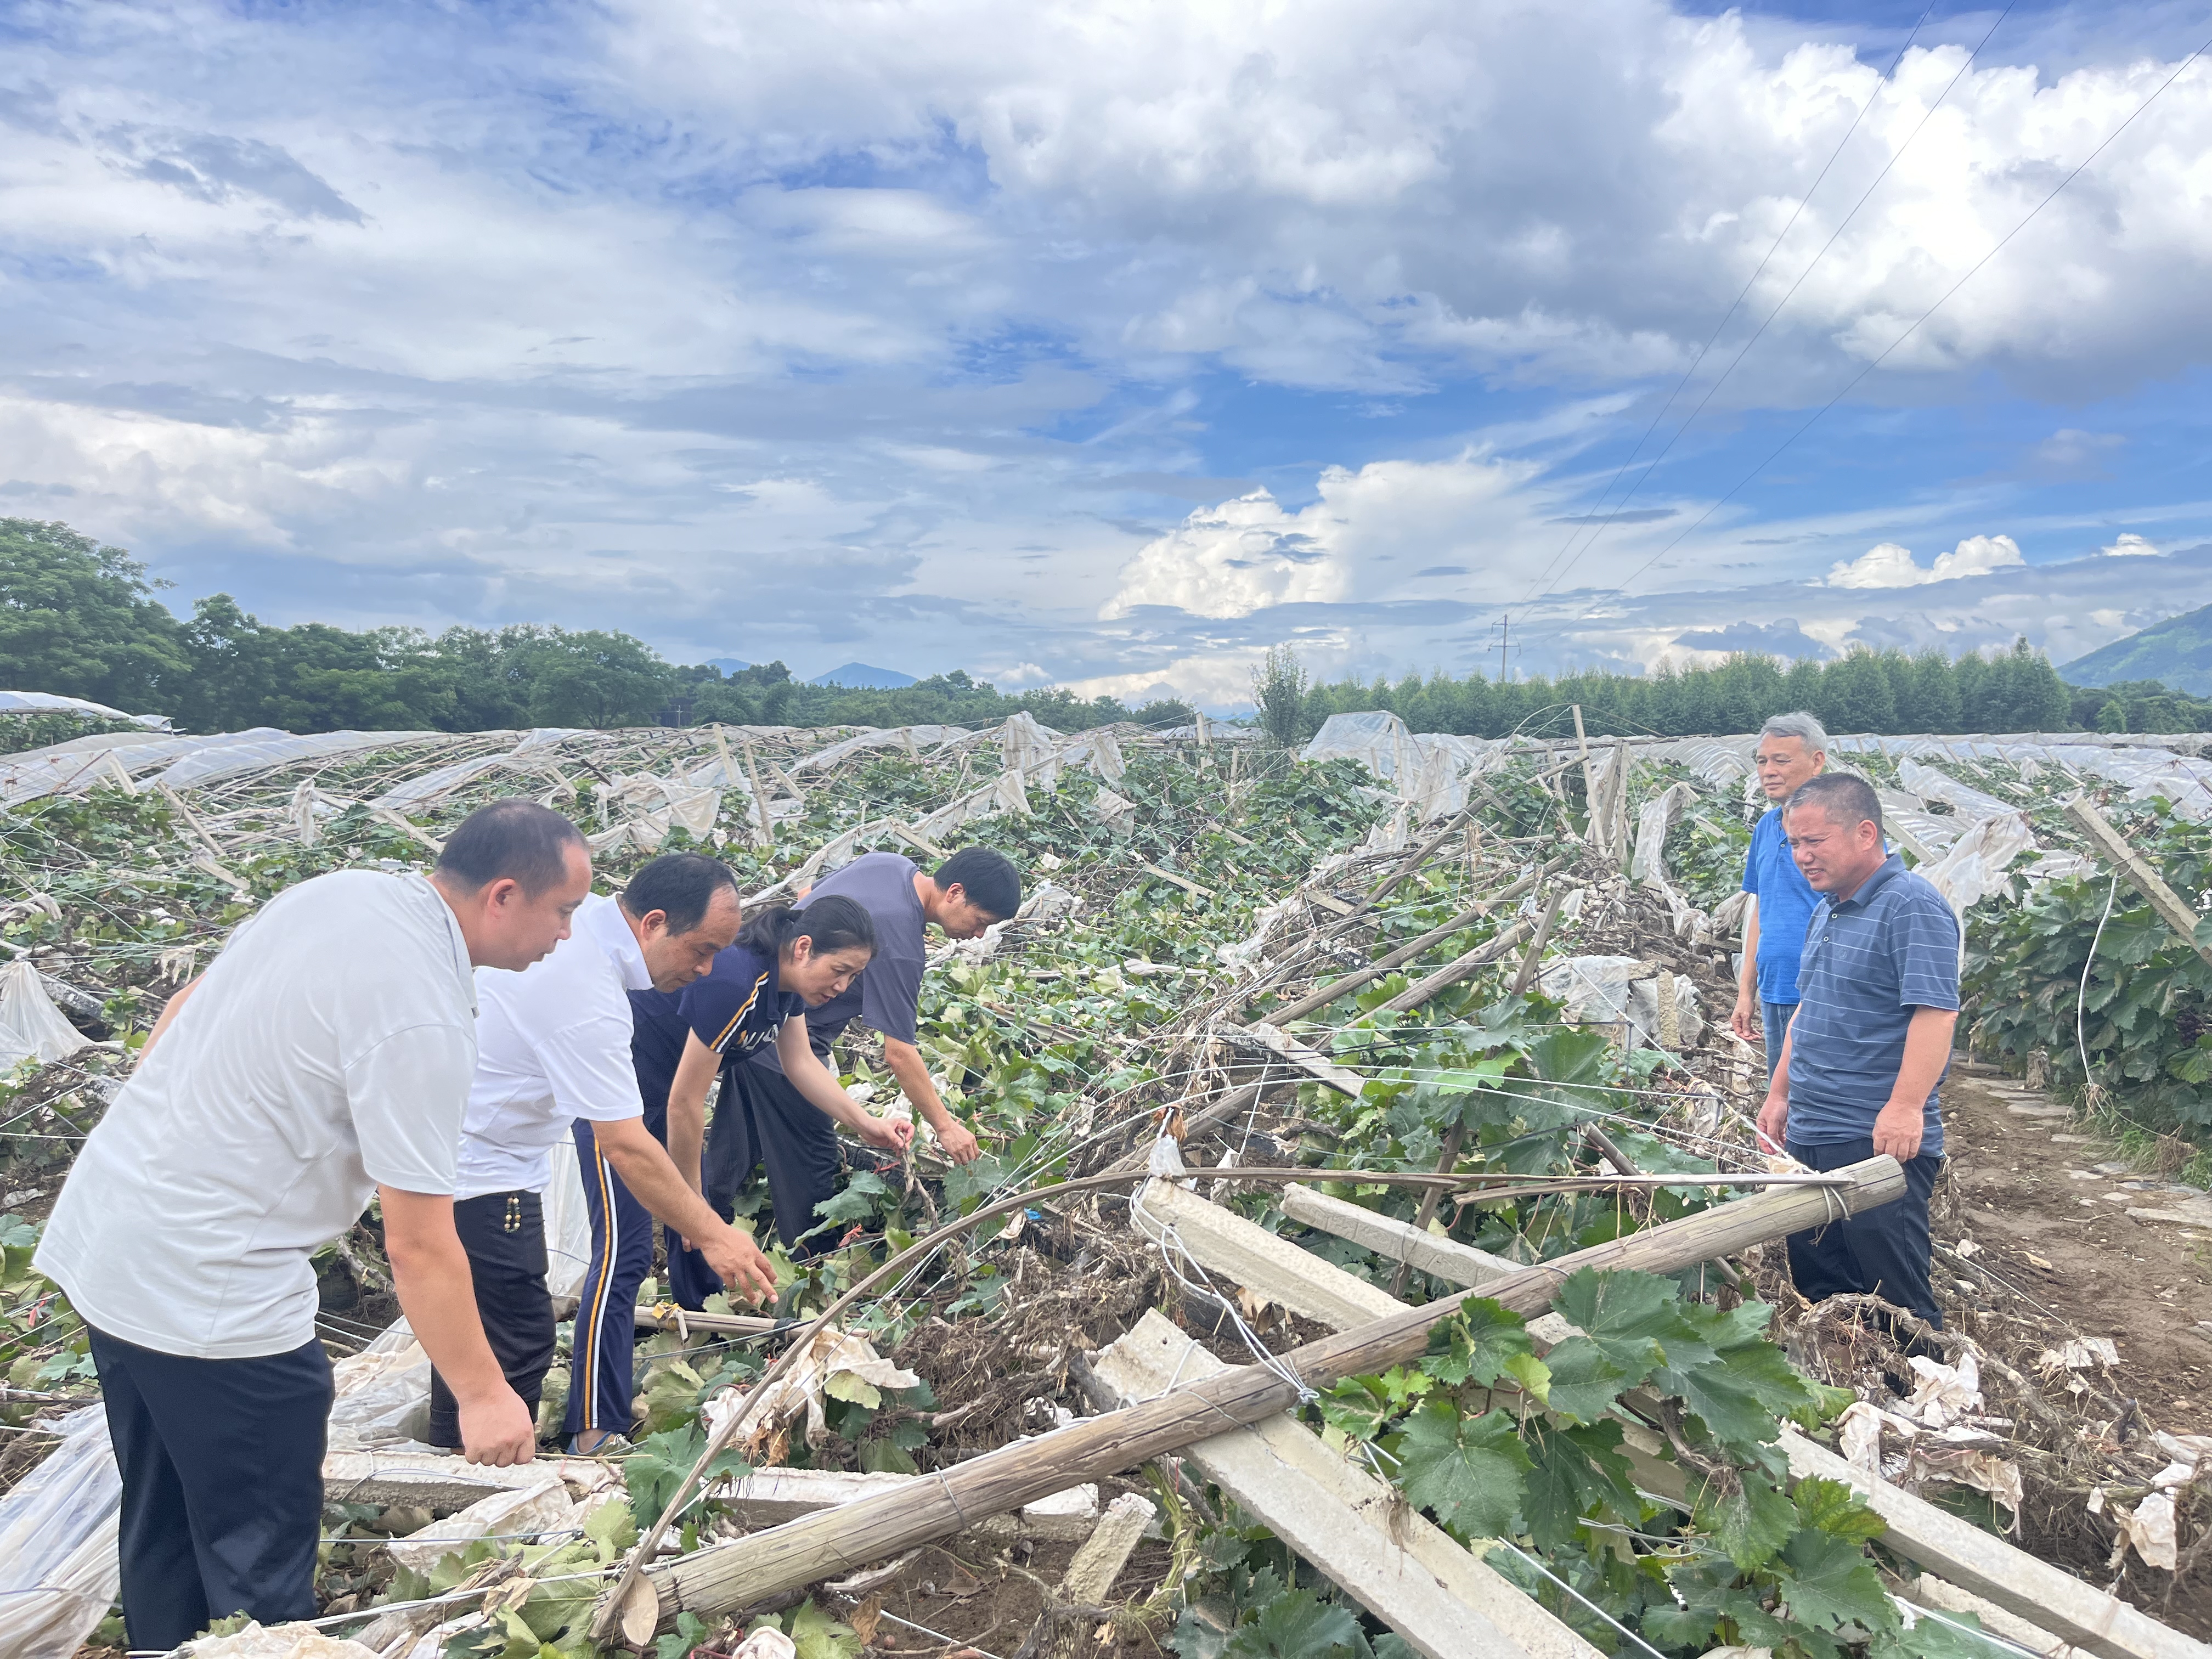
736,1007
1869,964
1785,906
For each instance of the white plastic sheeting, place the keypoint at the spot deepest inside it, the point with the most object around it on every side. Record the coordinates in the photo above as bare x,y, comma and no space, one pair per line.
30,1026
58,1572
79,764
255,753
912,738
1657,816
1967,803
1622,991
1428,770
46,702
527,756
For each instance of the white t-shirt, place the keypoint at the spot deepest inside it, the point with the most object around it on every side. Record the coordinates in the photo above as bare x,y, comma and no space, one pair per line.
327,1051
552,1046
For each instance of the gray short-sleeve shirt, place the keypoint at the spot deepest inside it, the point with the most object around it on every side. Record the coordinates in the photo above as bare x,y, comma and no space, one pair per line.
887,995
1869,964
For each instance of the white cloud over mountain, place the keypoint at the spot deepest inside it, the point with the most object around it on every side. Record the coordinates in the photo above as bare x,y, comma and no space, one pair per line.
1889,565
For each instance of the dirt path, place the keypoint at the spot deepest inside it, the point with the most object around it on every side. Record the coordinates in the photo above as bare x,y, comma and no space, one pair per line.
2048,1209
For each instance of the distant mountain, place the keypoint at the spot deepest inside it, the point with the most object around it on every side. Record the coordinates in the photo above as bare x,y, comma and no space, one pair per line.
859,676
726,666
2177,651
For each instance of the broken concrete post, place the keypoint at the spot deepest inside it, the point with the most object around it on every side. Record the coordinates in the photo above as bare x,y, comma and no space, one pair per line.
1089,1577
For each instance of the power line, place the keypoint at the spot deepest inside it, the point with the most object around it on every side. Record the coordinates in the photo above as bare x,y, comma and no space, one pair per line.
1735,306
1757,333
1915,326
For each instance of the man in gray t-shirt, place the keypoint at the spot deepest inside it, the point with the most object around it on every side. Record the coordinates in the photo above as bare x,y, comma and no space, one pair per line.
761,1119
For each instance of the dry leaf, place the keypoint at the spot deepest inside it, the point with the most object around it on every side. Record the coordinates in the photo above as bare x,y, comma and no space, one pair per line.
864,1617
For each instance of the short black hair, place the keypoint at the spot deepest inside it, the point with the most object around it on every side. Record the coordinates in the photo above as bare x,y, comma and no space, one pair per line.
680,886
833,922
1847,800
988,878
511,840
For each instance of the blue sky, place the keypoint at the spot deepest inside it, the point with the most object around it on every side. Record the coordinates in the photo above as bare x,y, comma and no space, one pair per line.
1109,346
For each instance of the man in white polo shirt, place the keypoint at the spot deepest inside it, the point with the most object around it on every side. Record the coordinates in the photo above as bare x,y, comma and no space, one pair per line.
554,1047
323,1056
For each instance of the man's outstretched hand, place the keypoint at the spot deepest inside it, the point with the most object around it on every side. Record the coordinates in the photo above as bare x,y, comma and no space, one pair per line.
740,1265
959,1142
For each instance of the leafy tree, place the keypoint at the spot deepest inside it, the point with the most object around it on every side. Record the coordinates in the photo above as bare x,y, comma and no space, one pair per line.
80,620
1278,687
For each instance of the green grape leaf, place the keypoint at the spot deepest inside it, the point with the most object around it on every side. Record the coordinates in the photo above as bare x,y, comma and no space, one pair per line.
857,1201
853,1388
1575,1470
1584,1383
1833,1507
1477,1344
653,1471
816,1635
1828,1583
1750,1523
1626,1315
1467,1472
1356,1407
1298,1624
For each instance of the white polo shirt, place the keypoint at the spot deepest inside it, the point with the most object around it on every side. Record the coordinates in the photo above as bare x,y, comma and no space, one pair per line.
552,1046
327,1051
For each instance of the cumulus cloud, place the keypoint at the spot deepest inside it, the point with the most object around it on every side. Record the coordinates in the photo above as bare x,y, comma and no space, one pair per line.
2130,545
1888,565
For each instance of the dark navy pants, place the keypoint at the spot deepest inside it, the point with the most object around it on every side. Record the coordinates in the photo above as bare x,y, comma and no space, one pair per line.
504,1234
761,1119
602,1364
221,1463
1881,1252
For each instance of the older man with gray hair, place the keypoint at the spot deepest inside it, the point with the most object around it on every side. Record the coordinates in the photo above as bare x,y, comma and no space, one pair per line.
1793,749
1869,1044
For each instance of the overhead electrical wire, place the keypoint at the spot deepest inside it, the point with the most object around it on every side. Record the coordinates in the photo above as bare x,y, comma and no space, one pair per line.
1842,225
1735,306
1915,326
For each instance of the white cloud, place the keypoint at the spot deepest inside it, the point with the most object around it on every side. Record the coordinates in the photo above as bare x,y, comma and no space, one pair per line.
2130,546
1244,554
1888,565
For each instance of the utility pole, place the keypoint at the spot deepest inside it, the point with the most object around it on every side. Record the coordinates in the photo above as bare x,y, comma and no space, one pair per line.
1502,627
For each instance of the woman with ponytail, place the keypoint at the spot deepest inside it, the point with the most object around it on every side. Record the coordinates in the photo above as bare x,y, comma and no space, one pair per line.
783,962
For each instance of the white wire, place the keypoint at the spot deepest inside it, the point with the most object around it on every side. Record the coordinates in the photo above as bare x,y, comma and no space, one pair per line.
2082,996
1507,1543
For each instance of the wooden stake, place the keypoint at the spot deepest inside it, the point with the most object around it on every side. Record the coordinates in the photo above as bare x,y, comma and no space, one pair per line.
2108,842
1452,972
1526,975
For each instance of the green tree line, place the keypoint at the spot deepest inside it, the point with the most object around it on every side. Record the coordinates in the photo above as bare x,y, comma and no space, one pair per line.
1880,691
81,620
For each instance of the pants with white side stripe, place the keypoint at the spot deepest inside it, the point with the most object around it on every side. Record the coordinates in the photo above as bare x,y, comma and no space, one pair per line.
603,1366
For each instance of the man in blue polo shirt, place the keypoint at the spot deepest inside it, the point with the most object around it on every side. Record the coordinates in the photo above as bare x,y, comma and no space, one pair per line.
1793,749
1878,984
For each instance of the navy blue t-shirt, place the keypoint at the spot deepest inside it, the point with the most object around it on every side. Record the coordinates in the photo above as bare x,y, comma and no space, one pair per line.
1868,965
736,1006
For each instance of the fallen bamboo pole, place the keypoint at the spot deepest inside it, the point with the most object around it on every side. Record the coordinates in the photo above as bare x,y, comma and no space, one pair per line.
1452,972
1314,1002
2138,872
737,1574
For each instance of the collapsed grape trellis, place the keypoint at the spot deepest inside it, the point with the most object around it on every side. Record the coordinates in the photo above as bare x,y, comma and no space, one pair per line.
1184,887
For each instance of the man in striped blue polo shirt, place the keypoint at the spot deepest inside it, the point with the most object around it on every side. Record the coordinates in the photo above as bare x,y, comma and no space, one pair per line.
1878,984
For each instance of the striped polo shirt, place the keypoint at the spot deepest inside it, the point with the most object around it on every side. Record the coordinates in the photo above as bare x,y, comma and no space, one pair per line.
1869,964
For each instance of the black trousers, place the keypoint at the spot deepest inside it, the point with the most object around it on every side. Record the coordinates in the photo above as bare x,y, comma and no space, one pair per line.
221,1463
1881,1252
761,1119
504,1234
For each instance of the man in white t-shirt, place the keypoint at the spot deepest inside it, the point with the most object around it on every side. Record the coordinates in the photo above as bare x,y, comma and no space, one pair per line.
553,1048
323,1056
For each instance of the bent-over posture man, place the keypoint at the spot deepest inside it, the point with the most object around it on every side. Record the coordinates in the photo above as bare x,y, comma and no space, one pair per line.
763,1119
323,1056
784,962
1793,749
553,1047
1870,1042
